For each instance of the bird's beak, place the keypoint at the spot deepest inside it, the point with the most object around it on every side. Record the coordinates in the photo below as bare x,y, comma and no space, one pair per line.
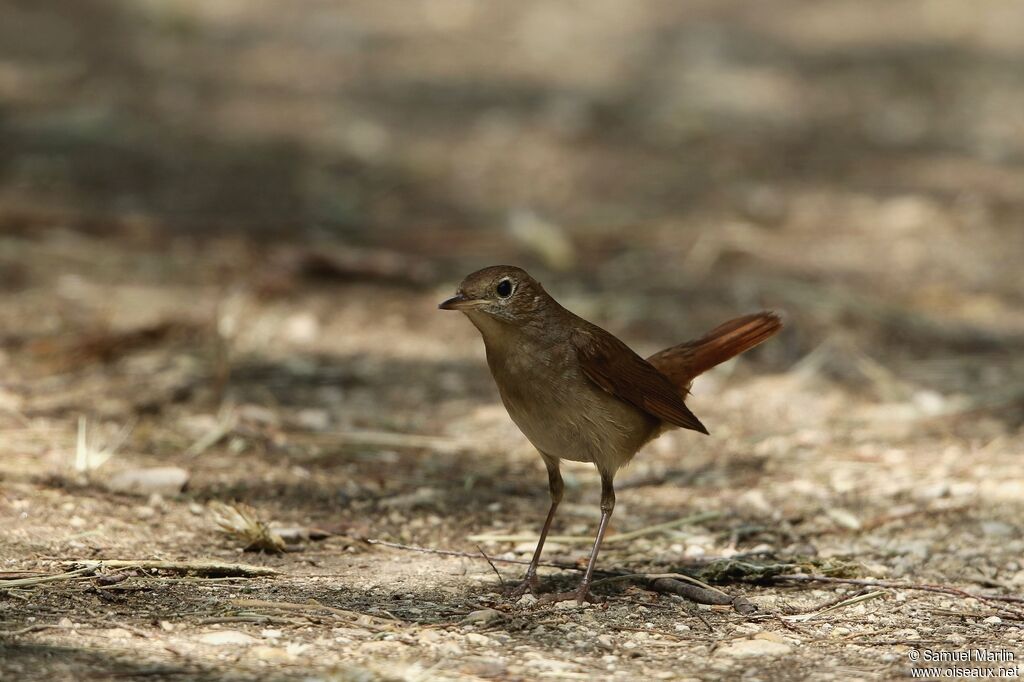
460,302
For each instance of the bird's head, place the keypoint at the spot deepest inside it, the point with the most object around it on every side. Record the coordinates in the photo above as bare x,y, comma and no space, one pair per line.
501,292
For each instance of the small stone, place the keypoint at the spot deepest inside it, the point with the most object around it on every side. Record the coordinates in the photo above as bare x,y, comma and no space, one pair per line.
530,600
269,653
149,480
755,501
313,419
551,665
167,626
428,637
478,639
484,616
382,648
766,602
416,498
301,328
750,648
932,492
144,512
114,633
992,620
843,518
930,403
226,637
450,649
997,529
293,649
270,633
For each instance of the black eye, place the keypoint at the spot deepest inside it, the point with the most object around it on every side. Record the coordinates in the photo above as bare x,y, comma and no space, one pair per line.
504,288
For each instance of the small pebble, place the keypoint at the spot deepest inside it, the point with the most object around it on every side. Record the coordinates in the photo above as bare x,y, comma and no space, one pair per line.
483,616
226,637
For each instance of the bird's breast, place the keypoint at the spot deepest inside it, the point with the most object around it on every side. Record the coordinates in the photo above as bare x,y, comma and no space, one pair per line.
561,411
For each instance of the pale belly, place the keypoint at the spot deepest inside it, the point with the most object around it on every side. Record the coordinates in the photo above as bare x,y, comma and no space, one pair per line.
570,418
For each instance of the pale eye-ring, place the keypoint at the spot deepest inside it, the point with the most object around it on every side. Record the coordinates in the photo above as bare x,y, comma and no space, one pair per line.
505,288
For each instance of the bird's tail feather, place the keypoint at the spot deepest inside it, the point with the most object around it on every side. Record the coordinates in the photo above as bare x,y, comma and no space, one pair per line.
684,362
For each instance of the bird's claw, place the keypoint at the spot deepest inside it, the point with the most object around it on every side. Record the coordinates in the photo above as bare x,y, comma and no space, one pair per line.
529,585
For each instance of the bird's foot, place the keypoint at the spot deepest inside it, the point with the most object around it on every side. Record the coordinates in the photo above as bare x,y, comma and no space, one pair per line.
529,585
581,595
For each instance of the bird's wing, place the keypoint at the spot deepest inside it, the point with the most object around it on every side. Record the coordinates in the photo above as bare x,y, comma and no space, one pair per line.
614,367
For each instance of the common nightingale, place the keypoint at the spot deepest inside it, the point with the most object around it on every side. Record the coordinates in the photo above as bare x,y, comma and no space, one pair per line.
579,393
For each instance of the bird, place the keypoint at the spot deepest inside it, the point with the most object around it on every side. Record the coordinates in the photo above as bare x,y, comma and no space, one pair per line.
578,393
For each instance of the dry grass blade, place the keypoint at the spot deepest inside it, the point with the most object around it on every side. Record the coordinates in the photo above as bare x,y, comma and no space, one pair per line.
242,522
226,422
29,582
803,618
88,454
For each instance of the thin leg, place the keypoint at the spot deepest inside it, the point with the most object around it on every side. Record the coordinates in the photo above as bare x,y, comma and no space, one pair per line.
556,488
607,506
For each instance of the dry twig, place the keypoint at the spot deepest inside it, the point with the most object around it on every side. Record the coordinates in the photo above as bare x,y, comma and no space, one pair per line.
803,618
201,567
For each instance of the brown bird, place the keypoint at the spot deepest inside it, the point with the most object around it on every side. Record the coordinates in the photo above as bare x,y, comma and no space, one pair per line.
577,392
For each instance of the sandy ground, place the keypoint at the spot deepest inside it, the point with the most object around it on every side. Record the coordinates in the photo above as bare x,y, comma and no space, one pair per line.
223,235
922,488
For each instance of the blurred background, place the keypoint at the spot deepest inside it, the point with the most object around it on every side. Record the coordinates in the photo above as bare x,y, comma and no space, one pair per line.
660,165
217,201
225,226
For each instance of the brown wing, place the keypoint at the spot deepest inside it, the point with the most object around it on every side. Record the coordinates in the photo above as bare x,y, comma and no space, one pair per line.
682,363
613,366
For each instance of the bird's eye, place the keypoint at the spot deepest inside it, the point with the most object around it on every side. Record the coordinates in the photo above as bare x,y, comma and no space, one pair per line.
504,288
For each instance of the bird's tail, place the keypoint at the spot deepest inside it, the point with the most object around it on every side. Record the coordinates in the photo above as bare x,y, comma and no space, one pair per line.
684,362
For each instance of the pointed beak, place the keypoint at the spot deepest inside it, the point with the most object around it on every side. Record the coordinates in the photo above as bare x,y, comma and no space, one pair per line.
460,302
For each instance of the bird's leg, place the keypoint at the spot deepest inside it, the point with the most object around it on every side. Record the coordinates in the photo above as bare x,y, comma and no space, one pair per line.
607,506
556,487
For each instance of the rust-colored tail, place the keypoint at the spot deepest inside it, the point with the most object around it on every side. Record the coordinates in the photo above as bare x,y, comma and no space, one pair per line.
683,363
